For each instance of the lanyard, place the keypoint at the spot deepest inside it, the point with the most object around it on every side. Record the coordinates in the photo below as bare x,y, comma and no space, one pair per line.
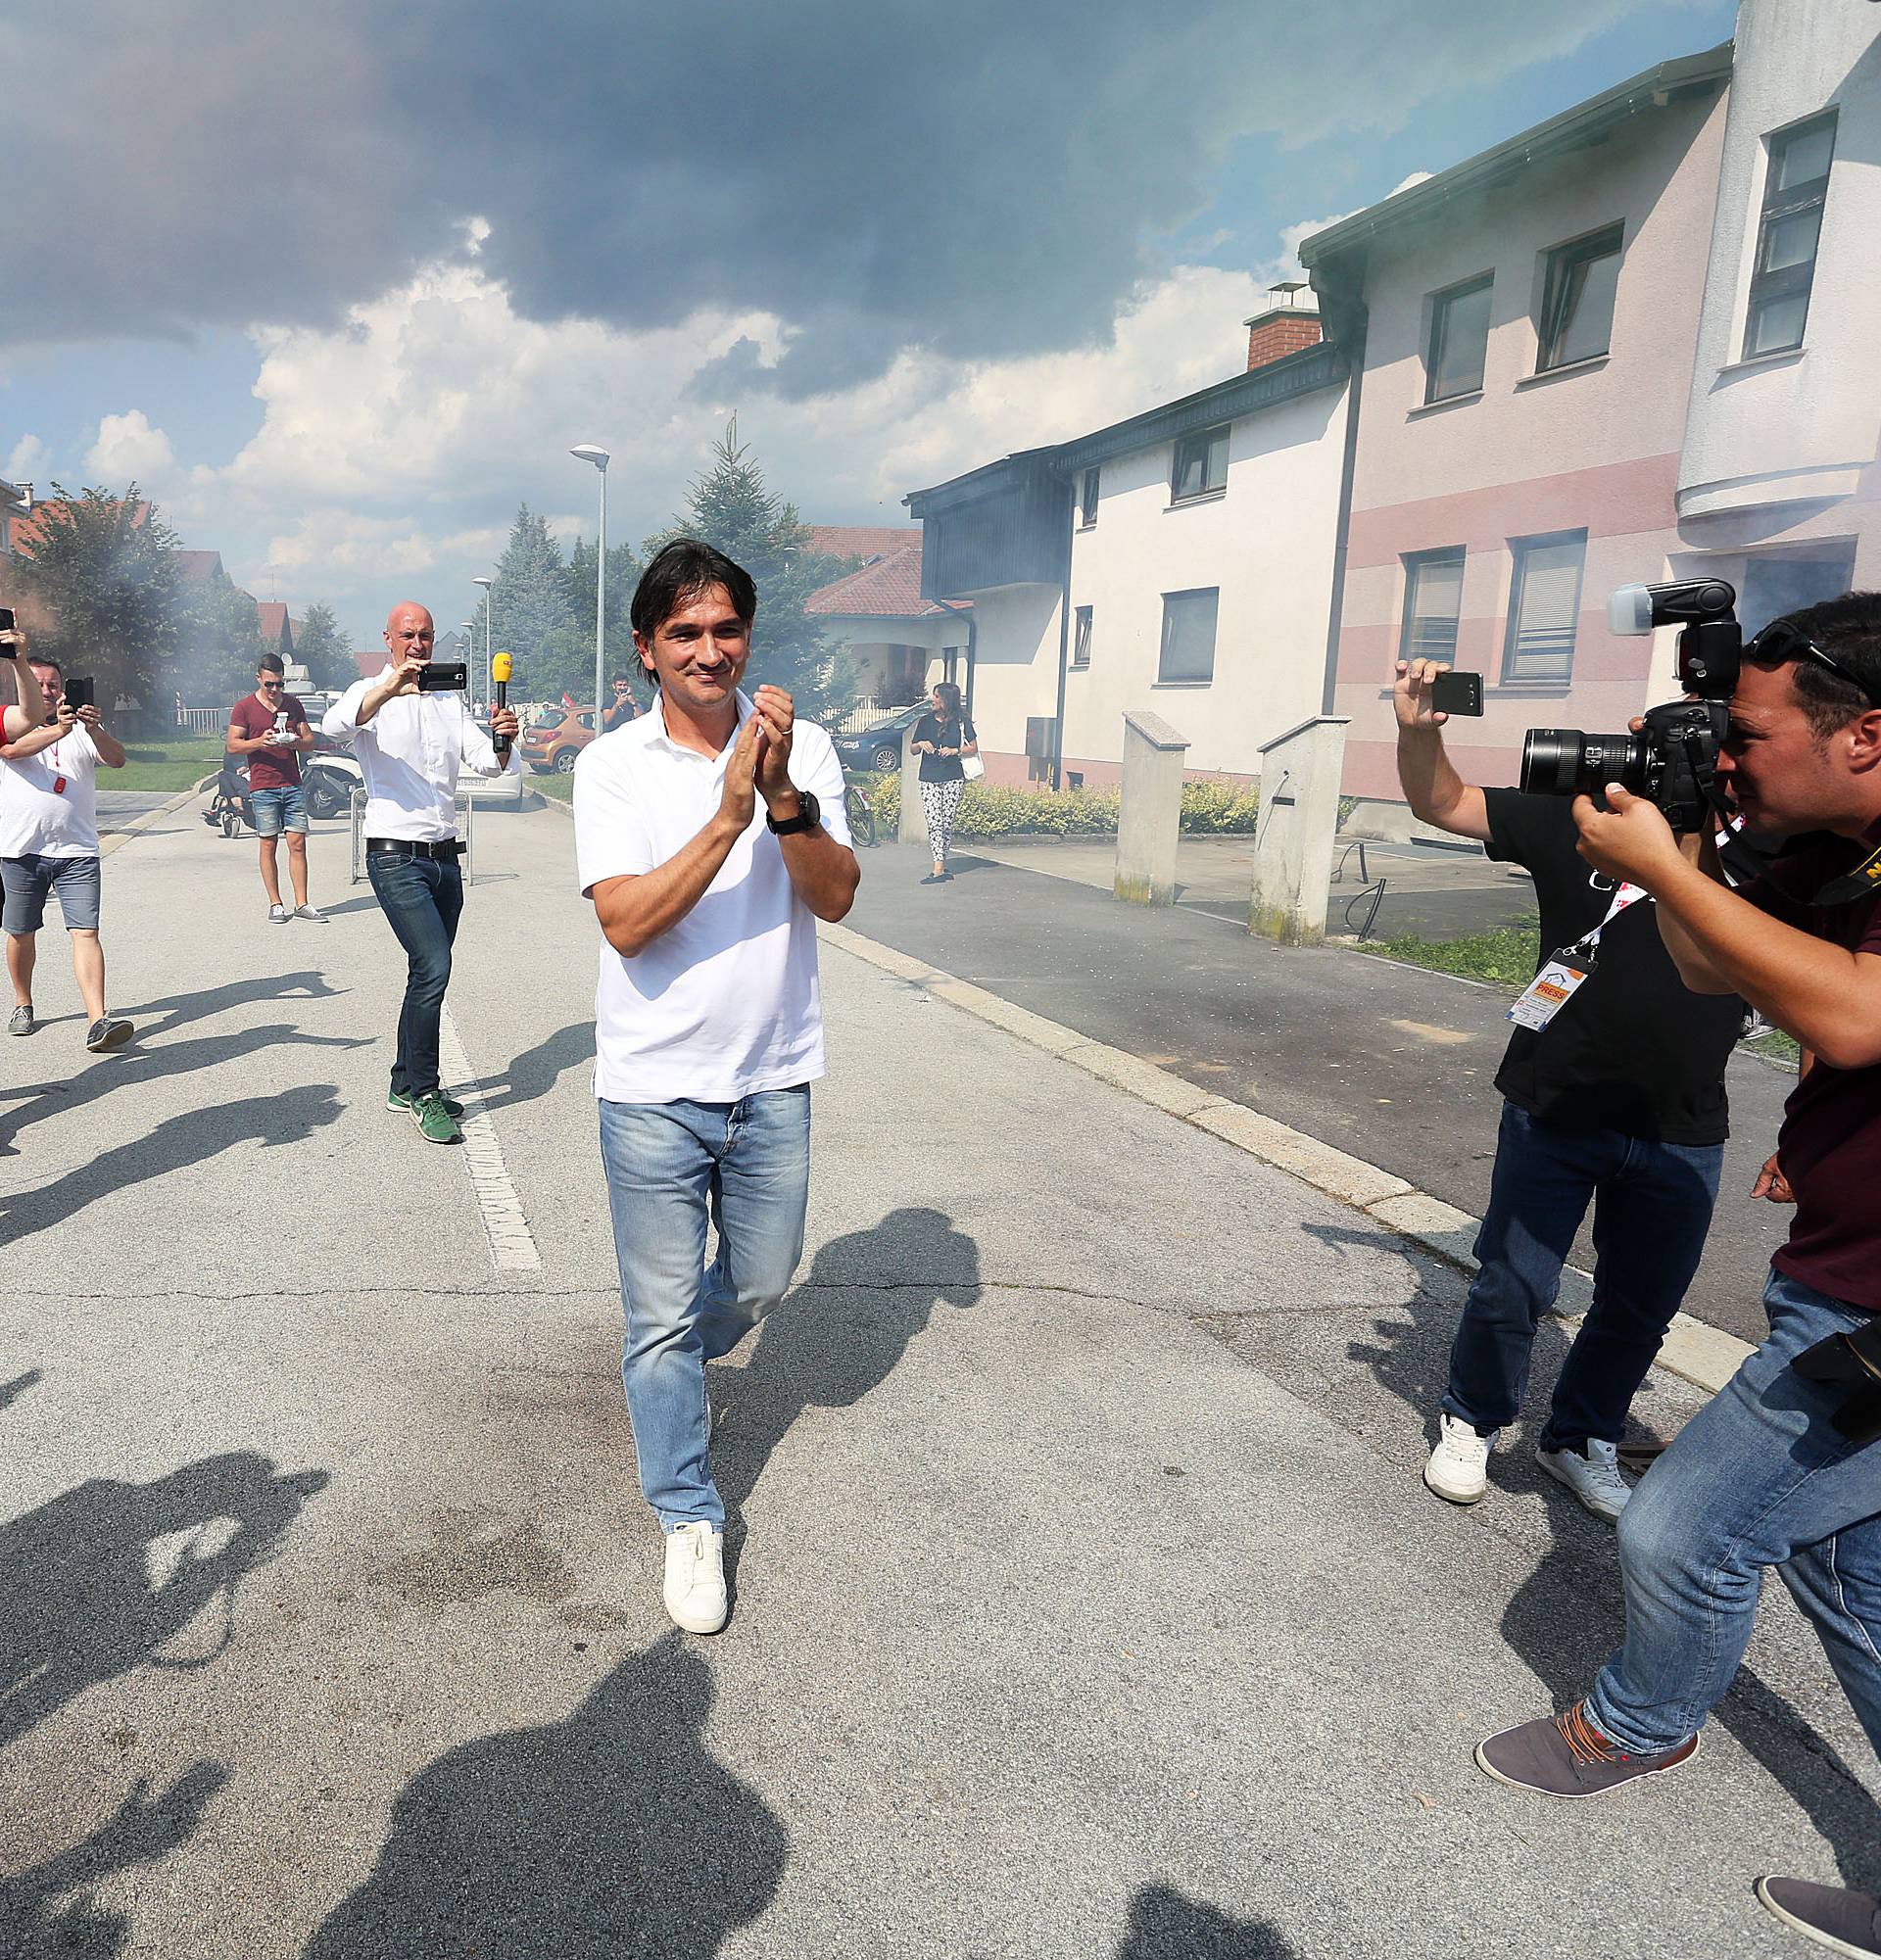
1623,896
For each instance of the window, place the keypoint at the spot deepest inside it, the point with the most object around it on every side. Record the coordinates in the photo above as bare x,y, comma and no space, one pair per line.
1781,582
1081,638
1188,637
1544,603
1784,269
1202,465
1459,338
1433,600
1088,498
1578,300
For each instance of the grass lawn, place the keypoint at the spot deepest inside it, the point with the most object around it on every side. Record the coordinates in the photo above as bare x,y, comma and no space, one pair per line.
177,764
562,787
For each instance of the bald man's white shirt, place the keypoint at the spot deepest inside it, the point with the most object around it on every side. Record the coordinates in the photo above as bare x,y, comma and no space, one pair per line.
409,753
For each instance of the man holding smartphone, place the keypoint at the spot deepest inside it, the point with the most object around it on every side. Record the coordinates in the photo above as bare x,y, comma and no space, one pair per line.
1614,1098
409,736
49,835
269,729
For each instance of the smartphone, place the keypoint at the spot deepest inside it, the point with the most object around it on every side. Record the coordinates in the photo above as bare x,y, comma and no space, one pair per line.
437,676
1457,694
78,692
6,619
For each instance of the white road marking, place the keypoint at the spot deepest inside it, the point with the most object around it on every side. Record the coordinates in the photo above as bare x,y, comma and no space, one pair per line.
512,1245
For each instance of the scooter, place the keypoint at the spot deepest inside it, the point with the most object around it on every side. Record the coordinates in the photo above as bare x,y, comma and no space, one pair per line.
328,779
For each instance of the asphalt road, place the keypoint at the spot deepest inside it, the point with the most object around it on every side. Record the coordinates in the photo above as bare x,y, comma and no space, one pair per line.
1392,1063
1087,1602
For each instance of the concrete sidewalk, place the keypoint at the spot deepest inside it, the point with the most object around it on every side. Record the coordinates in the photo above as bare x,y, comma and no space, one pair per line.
1088,1601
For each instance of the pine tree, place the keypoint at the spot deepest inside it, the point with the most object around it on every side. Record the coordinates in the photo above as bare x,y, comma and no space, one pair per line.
731,507
533,619
323,649
623,574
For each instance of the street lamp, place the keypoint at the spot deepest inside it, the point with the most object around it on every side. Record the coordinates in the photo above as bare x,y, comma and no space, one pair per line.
588,452
489,606
468,628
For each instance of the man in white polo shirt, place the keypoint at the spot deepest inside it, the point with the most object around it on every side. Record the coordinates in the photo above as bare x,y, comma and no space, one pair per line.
410,739
710,836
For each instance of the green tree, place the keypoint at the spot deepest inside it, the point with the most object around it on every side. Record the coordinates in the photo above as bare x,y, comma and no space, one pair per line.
623,574
103,571
531,608
731,507
324,650
221,640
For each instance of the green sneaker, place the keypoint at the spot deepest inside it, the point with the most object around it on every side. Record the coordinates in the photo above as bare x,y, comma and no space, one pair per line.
436,1123
397,1099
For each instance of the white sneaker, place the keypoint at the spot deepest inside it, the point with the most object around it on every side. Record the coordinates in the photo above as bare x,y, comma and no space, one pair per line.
278,915
1458,1467
1594,1478
695,1586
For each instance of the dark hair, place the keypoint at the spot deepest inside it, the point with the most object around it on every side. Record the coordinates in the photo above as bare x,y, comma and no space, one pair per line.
269,664
949,697
1848,630
620,680
45,660
679,572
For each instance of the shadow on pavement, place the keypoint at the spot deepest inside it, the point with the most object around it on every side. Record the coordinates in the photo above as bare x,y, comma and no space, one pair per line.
142,1063
176,1143
613,1833
532,1074
840,1333
100,1580
35,1926
12,1391
178,1009
1164,1925
1567,1616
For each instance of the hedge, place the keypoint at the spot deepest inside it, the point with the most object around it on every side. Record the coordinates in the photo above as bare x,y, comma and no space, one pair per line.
990,811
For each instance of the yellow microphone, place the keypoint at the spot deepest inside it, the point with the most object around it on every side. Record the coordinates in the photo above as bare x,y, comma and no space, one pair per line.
501,668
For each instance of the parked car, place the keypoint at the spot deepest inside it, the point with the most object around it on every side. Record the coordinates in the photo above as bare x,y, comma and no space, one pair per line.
880,747
555,737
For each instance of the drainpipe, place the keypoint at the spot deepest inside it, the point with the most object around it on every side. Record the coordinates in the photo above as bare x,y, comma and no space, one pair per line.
973,644
1064,657
1346,317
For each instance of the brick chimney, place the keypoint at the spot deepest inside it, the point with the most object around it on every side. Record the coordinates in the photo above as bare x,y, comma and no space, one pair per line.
1285,327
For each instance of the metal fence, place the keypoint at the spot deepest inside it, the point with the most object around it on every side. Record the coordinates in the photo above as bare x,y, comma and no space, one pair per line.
860,717
202,721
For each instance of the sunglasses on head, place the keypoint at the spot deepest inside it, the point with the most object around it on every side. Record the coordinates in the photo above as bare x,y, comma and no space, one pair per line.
1780,641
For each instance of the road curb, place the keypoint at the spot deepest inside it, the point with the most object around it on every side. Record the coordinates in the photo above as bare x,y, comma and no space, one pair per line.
1704,1356
116,838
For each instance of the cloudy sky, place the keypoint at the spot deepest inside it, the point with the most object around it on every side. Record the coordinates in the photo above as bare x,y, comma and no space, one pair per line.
340,285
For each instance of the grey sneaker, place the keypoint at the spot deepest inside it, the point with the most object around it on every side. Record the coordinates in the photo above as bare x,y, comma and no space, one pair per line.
1594,1478
1844,1922
311,914
106,1032
278,915
1566,1755
21,1021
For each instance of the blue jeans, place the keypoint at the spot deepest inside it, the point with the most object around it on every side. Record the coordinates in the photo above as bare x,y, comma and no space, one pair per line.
423,899
1758,1477
1652,1208
745,1166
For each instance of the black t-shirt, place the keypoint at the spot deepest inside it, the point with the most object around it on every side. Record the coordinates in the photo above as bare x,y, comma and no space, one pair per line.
942,768
1634,1049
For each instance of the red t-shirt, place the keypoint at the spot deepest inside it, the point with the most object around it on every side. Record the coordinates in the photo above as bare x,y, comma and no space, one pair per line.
267,768
1830,1143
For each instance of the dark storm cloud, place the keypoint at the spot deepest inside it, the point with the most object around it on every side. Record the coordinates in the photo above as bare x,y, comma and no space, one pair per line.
983,177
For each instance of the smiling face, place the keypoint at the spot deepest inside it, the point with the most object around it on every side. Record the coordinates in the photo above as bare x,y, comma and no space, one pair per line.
409,634
698,650
1786,777
53,684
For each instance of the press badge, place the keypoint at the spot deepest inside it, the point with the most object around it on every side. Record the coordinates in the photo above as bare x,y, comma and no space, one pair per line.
1551,989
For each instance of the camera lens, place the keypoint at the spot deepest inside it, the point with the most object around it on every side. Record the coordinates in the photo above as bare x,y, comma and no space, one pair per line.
1567,761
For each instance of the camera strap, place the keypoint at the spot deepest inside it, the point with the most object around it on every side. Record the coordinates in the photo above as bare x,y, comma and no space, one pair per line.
1864,881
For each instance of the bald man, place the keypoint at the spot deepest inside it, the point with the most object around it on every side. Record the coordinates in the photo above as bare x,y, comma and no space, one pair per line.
409,740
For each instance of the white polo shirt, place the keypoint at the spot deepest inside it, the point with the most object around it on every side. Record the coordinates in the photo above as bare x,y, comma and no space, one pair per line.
49,801
726,1004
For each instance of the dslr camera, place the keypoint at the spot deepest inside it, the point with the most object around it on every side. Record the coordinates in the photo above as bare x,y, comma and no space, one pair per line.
1673,759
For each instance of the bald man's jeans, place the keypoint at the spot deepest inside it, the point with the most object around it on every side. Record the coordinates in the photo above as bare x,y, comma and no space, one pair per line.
422,898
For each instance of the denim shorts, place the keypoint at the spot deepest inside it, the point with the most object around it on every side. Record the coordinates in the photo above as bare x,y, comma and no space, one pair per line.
27,879
278,810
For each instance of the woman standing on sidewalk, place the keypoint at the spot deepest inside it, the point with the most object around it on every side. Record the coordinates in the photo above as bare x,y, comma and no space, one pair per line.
944,739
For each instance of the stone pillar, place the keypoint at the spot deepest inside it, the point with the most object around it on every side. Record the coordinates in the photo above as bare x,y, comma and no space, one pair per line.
1300,775
911,828
1150,821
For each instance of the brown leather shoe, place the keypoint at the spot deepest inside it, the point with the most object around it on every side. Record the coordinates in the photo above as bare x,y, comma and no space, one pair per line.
1844,1922
1566,1755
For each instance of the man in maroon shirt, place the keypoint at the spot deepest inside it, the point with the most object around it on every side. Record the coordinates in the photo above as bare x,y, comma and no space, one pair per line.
270,727
1773,1471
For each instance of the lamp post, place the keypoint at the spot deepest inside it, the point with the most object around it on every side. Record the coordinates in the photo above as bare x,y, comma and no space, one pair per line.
588,452
489,606
468,628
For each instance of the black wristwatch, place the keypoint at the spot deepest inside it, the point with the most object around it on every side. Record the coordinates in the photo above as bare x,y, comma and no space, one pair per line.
808,815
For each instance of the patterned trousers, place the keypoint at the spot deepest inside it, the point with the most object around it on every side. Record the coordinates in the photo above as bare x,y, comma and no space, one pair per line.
940,800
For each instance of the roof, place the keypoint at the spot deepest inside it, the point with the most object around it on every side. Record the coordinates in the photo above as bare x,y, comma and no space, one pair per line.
274,619
28,530
862,540
887,587
1576,128
199,564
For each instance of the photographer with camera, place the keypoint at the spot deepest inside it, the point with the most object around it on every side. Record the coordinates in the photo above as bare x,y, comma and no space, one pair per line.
1614,1096
1782,1467
49,831
409,731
